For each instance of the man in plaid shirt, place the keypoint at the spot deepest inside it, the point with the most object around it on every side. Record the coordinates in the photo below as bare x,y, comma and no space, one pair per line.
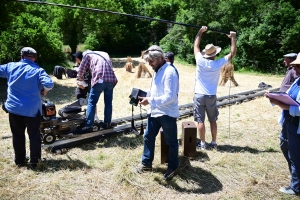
103,80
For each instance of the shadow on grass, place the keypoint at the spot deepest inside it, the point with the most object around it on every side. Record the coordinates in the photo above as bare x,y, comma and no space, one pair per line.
193,179
62,164
123,140
235,149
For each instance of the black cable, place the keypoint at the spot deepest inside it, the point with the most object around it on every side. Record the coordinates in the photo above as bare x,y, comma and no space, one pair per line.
229,106
118,13
142,125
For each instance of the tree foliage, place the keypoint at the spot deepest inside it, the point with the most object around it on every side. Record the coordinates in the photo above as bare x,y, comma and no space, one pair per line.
266,29
27,29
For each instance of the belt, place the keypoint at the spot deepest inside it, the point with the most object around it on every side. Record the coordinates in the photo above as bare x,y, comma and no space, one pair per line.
294,121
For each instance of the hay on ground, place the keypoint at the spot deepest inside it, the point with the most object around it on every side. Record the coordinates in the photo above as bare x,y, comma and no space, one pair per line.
129,66
143,71
129,59
142,54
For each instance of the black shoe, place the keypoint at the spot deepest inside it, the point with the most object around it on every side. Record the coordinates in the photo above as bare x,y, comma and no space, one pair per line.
24,163
83,130
202,147
106,125
142,168
34,166
213,145
170,174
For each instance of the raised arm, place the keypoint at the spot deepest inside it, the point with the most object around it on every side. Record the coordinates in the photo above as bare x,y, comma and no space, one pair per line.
198,39
232,53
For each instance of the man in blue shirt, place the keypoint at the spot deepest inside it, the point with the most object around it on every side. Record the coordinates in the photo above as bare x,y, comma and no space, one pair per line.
163,112
27,82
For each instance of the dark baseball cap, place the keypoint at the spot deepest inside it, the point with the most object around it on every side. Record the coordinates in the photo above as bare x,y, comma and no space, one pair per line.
78,55
169,55
28,51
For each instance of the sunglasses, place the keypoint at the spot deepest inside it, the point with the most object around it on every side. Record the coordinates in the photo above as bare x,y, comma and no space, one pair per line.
148,51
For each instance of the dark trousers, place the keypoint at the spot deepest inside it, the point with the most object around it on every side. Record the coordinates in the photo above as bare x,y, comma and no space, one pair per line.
18,124
294,156
284,141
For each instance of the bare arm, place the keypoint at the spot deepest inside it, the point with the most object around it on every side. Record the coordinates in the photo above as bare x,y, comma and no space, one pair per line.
232,53
198,39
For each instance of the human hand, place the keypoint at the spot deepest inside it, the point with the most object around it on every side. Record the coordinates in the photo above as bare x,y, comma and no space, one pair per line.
274,101
80,86
203,29
267,94
44,92
232,34
143,100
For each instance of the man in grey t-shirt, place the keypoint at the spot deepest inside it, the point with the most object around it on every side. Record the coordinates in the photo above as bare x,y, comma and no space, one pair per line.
291,75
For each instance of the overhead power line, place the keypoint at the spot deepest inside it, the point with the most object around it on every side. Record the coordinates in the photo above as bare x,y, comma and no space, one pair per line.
124,14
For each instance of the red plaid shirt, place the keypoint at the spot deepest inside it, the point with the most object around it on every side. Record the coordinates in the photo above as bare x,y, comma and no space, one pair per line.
100,66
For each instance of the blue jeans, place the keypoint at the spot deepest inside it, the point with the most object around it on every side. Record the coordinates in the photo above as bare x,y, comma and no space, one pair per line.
96,90
169,126
294,155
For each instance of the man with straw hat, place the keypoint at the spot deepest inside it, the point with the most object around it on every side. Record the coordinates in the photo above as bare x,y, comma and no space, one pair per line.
207,78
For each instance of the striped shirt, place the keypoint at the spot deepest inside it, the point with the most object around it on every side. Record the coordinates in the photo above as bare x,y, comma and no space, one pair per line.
100,66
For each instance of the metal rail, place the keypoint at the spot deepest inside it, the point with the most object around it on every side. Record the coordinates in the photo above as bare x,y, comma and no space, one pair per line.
124,125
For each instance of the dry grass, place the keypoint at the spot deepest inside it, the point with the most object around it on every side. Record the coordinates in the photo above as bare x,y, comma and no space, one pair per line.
247,165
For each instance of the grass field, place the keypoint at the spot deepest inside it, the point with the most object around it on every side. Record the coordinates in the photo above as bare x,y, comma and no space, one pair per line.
248,163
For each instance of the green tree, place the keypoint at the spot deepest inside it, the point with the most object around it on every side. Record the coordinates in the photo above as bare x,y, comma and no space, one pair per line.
261,47
26,29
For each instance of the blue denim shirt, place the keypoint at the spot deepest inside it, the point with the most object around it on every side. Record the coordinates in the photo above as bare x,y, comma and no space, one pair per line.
294,110
25,80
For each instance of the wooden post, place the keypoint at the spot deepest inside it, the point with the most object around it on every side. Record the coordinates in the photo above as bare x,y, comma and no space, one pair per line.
189,137
164,148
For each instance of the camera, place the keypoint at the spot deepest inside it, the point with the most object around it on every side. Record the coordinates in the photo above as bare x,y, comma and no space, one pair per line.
135,93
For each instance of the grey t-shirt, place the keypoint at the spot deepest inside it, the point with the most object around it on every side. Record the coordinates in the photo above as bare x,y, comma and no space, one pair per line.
288,80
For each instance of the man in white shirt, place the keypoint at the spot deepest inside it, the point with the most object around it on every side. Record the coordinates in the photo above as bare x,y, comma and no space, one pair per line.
207,78
164,110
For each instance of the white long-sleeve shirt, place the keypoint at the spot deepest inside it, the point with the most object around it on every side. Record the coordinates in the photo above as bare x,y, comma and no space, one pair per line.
163,96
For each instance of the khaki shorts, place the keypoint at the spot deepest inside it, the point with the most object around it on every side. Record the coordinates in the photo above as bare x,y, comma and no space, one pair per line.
208,104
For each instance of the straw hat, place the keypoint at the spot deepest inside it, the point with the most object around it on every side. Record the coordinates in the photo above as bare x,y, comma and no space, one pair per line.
297,61
210,51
